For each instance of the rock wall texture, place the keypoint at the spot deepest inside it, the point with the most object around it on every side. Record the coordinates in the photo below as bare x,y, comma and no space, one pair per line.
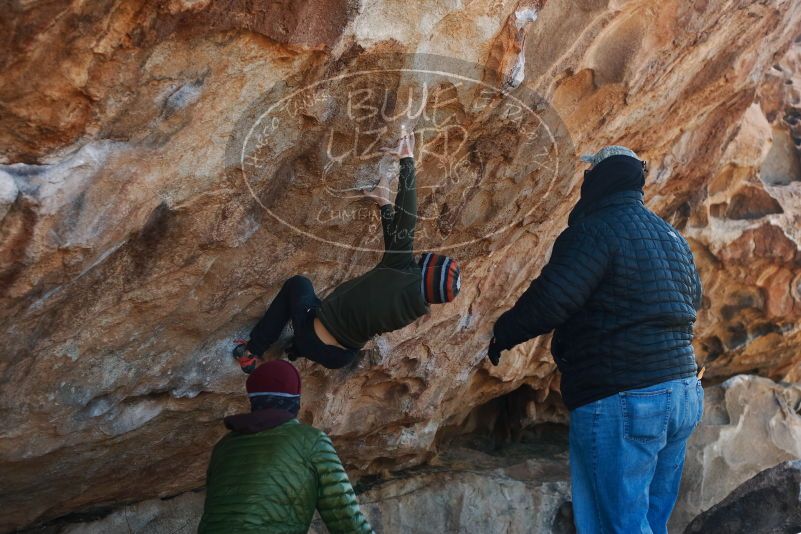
747,233
132,250
750,424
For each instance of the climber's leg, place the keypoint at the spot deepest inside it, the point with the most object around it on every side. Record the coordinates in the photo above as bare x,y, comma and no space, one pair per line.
303,300
297,302
292,301
308,345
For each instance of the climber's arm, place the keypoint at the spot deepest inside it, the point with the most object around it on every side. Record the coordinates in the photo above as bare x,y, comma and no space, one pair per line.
400,220
399,229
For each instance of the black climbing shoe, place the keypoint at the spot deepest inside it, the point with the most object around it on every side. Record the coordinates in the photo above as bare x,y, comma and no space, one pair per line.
291,352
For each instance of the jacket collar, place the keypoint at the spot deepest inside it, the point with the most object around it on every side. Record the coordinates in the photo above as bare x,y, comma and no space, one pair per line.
615,199
253,422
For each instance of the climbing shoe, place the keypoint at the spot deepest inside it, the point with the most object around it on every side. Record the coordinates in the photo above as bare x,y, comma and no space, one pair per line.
247,361
291,351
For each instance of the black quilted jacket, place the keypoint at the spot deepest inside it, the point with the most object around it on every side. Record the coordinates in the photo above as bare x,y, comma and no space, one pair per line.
621,290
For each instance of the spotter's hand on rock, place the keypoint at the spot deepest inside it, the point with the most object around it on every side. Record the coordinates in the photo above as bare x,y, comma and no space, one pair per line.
494,352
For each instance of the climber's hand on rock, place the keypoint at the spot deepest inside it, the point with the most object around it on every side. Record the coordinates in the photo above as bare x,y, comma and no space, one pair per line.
381,194
405,148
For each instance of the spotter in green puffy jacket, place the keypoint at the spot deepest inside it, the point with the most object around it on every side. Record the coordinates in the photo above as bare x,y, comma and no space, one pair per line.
271,472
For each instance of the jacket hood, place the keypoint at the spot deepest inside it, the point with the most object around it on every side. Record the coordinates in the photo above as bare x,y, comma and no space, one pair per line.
611,177
253,422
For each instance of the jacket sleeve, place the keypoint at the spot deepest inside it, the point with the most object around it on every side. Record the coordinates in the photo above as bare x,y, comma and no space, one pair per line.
336,500
578,263
399,222
697,287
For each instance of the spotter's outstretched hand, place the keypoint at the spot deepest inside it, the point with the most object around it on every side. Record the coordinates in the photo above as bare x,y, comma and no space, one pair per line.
494,352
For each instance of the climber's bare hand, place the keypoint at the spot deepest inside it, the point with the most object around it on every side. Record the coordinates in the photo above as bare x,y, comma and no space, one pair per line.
405,148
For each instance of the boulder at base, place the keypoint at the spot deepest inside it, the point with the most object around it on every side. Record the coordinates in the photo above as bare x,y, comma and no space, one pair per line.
768,503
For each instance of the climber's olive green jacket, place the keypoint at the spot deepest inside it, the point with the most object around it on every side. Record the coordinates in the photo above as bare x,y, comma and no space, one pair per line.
271,481
390,295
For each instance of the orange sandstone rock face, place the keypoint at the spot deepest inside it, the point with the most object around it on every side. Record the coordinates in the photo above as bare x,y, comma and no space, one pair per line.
132,252
747,234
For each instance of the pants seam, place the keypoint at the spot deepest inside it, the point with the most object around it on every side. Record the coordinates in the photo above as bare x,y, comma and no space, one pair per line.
595,417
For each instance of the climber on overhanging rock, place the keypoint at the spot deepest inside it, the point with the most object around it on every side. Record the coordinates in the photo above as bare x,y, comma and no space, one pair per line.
621,291
271,472
393,294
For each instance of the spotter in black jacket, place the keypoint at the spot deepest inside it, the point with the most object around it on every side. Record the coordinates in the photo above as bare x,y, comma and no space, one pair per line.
621,291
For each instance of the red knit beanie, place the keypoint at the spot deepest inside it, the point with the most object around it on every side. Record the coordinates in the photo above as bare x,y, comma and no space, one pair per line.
275,376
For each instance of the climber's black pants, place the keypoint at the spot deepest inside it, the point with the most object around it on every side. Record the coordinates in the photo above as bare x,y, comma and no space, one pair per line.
297,302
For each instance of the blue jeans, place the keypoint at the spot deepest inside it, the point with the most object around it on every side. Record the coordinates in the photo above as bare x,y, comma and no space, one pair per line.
627,454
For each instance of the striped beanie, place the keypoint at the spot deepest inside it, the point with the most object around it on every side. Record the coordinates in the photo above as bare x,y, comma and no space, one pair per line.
442,278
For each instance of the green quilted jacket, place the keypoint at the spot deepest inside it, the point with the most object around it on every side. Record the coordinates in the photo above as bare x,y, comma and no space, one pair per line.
271,481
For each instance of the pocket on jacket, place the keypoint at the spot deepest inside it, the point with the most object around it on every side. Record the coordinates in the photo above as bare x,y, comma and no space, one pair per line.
646,414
